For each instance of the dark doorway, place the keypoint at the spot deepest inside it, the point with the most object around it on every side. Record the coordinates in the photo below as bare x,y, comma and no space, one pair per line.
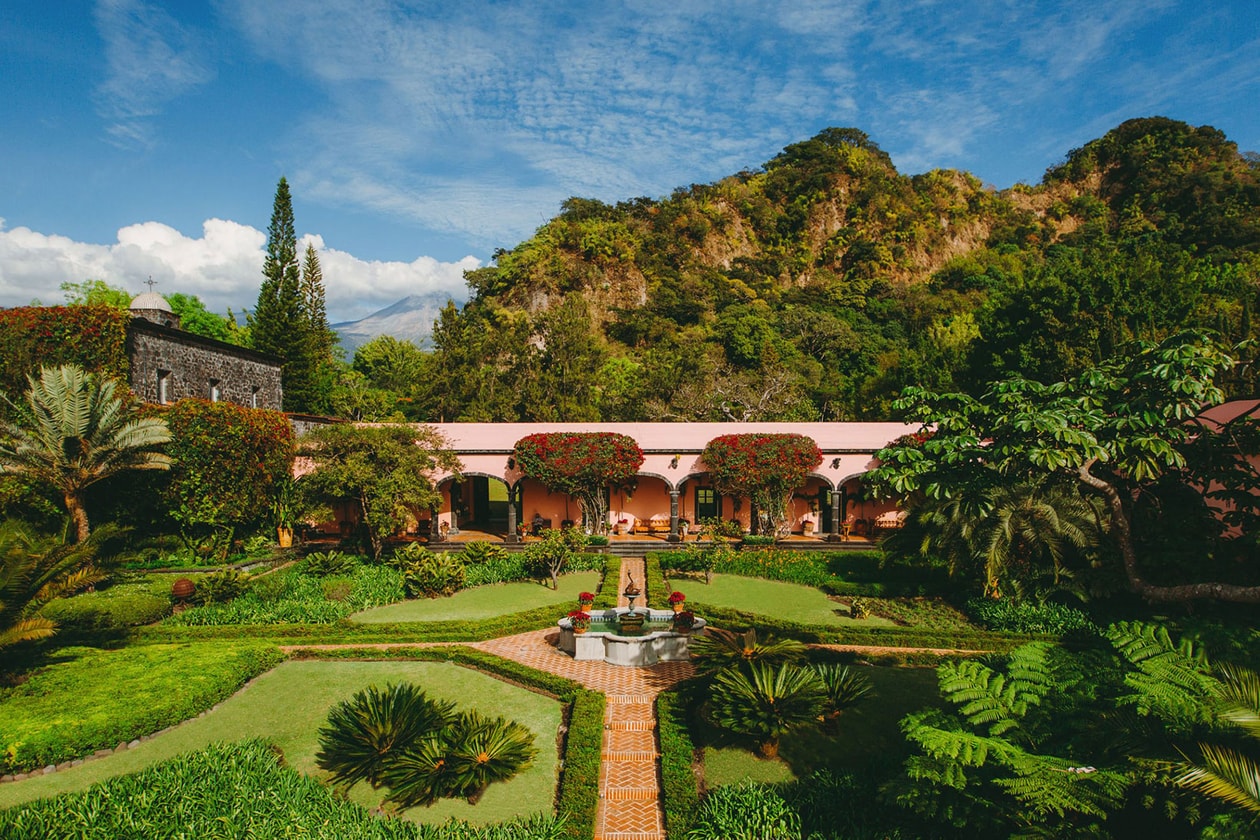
489,504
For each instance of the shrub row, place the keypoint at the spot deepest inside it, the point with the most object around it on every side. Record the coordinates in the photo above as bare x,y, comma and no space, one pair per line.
579,782
678,782
657,589
606,595
1005,615
955,639
101,698
292,597
230,791
109,611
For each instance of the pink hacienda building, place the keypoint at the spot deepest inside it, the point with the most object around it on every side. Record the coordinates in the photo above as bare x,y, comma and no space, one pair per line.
672,490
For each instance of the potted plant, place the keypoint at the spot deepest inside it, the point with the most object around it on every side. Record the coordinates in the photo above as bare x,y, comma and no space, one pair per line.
585,599
807,527
622,526
579,621
684,620
684,526
284,510
676,600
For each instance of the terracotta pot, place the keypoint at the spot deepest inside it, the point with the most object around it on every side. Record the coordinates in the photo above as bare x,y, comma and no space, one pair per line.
285,537
579,629
680,606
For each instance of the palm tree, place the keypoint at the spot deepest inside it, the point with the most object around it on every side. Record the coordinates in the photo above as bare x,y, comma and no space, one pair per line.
484,751
368,731
32,574
72,431
766,702
1224,772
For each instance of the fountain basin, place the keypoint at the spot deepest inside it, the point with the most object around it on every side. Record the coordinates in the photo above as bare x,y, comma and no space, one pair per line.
604,642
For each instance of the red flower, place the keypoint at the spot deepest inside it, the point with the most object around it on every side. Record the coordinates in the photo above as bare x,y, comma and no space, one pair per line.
677,597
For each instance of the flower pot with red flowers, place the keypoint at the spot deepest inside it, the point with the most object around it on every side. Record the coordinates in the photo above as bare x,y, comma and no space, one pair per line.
676,601
580,621
585,599
684,620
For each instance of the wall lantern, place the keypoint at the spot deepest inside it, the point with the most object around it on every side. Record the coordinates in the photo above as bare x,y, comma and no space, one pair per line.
511,463
835,463
673,462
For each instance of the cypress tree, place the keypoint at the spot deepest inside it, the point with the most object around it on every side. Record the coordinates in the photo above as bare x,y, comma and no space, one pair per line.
278,323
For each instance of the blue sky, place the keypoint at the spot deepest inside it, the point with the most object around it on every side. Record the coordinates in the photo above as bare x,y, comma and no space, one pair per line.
142,138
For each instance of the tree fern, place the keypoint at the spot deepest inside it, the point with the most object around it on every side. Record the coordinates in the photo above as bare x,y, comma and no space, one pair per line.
998,701
1172,680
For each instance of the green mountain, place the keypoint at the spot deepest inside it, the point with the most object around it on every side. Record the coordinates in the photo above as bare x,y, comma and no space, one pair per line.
821,284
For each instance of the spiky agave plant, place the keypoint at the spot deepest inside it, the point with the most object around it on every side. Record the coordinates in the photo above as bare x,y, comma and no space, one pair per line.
719,650
843,686
365,732
766,702
487,750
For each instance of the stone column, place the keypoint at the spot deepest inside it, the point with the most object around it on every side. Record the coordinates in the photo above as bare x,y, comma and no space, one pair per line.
512,536
456,497
674,536
435,525
836,496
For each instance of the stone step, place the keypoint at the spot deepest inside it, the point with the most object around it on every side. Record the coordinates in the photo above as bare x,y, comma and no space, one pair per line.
630,755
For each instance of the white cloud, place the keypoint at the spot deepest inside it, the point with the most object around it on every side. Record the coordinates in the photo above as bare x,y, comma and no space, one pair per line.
223,267
150,60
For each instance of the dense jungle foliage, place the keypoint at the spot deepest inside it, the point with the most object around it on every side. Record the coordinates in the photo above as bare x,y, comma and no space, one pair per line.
820,285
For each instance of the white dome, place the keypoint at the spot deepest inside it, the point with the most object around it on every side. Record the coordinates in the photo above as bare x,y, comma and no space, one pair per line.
150,301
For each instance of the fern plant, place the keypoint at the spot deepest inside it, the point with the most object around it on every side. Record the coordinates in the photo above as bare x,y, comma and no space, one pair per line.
1175,682
989,747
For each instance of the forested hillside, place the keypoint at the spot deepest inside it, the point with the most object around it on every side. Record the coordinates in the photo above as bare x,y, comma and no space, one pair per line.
819,285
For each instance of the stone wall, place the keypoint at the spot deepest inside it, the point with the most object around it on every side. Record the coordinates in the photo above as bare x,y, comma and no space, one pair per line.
193,366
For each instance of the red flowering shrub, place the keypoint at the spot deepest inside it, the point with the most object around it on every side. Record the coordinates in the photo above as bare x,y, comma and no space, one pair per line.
93,337
765,468
581,464
227,463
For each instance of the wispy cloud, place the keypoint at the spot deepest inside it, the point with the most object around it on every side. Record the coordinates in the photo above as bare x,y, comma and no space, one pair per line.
151,59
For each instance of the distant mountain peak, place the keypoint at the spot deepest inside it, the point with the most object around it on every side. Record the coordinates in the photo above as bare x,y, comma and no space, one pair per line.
410,319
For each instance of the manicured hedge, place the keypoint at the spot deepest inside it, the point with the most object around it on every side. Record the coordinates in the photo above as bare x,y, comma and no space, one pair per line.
681,797
108,611
231,791
97,698
657,589
579,783
606,597
955,639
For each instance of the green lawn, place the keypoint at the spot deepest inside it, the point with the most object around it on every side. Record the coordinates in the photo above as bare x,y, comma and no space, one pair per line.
485,602
286,706
867,732
789,601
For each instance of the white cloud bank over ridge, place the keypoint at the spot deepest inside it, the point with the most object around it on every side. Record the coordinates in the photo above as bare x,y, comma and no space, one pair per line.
223,267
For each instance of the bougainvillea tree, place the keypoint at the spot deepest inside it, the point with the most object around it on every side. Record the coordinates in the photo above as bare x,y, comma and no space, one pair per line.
228,461
581,464
764,468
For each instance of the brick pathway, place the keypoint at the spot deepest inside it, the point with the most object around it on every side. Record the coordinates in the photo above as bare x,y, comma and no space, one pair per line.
629,778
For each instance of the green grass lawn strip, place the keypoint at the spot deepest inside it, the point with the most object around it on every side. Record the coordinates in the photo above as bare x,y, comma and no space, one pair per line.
789,601
483,602
287,705
88,699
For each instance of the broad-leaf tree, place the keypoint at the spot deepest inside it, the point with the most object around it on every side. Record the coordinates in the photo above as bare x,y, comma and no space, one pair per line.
385,471
73,431
1115,428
